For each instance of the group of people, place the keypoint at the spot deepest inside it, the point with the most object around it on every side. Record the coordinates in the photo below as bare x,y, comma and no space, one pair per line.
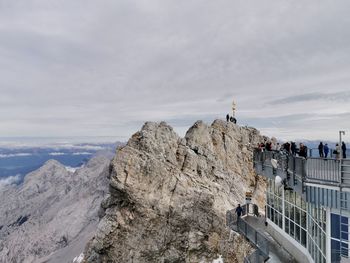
338,151
269,146
289,147
230,118
302,151
323,150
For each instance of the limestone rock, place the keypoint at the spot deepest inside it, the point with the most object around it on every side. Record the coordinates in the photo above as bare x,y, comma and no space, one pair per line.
52,215
169,195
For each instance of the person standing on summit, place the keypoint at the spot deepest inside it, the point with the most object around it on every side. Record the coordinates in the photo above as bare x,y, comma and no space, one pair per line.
227,117
320,149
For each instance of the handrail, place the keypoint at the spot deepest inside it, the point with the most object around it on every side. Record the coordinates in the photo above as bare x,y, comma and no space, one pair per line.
254,236
311,169
231,216
325,170
231,219
254,257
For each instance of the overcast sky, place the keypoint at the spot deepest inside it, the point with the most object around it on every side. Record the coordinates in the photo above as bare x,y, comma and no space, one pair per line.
102,68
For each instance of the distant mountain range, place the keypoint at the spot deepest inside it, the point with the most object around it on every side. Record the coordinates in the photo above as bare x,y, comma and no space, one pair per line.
16,160
53,213
314,144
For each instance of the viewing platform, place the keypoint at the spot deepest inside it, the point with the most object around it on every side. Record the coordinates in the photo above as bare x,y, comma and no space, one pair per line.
299,172
307,205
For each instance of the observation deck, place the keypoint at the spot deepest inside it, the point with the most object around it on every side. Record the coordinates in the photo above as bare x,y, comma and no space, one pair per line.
299,172
309,211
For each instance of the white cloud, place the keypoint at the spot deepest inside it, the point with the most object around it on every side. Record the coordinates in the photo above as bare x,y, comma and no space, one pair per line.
59,143
10,180
103,68
11,155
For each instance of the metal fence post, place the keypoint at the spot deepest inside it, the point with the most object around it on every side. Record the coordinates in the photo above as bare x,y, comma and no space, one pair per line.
303,176
263,161
294,179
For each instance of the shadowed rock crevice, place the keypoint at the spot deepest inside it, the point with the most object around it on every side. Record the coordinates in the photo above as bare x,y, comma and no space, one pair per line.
169,195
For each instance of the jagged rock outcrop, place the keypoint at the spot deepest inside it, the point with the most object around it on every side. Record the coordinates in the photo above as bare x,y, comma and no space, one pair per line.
169,195
51,216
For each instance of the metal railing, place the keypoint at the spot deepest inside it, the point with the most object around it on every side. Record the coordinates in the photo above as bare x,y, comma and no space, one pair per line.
314,152
255,237
231,220
325,170
299,169
231,216
254,257
261,254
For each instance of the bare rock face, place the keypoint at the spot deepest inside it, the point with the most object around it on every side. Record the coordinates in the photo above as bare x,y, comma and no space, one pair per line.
50,217
169,195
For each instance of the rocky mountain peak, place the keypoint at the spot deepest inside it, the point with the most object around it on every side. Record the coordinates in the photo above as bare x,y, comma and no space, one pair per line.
154,138
51,163
50,169
51,215
169,195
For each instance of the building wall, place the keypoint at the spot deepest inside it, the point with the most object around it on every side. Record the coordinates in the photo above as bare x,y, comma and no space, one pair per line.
302,224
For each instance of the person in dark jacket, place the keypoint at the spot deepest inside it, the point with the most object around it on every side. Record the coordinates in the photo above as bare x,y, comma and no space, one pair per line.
303,151
286,147
239,210
326,150
227,117
343,147
293,148
268,146
320,150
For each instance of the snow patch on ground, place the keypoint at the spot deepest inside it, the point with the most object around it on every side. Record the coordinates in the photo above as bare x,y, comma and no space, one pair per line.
79,258
71,169
218,260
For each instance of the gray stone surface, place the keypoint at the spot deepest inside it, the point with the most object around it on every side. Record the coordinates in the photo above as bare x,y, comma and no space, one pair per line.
169,195
51,216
